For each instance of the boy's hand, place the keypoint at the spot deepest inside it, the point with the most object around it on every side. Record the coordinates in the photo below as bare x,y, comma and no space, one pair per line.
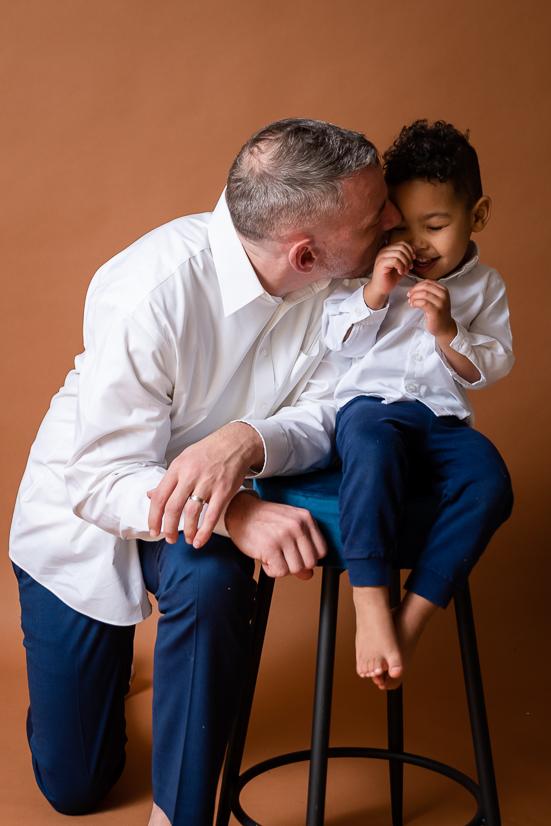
434,299
391,264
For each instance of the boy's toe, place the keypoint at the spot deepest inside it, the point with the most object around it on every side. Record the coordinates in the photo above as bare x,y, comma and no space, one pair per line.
395,667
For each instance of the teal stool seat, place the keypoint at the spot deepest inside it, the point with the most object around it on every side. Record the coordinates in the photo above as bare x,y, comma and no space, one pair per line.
318,492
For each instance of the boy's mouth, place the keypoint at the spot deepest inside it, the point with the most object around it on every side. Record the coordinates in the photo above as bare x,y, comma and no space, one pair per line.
421,265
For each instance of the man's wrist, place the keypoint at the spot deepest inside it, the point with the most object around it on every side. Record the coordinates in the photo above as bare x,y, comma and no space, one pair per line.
235,505
253,446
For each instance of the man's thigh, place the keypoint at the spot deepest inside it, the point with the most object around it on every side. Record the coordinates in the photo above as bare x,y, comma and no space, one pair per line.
78,671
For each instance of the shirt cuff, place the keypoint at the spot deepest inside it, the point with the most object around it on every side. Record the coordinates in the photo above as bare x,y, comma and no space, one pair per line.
276,447
462,345
358,309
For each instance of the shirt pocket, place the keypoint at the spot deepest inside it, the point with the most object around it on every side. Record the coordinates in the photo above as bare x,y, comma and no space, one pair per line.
303,367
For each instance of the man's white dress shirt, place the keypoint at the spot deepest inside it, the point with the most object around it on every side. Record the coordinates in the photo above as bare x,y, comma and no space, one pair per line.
394,356
180,338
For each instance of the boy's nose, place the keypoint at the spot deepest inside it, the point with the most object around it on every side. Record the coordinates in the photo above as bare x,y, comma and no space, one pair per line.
417,240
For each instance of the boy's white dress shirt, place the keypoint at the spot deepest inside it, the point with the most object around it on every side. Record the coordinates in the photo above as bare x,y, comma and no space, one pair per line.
180,338
395,357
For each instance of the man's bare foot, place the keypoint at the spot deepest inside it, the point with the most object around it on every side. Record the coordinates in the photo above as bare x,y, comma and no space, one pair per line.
131,679
377,651
158,817
410,618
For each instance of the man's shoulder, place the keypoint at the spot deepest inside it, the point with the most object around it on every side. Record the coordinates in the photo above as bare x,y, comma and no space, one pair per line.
143,267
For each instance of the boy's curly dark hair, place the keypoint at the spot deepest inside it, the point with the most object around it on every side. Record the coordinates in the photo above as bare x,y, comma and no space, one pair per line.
438,152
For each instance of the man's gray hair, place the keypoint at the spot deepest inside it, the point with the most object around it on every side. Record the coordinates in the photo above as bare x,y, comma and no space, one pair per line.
289,174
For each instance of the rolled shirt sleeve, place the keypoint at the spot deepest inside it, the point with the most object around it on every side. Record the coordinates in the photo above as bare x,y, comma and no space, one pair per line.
488,341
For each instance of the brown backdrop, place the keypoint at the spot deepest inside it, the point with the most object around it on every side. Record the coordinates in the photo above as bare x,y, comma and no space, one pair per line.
119,115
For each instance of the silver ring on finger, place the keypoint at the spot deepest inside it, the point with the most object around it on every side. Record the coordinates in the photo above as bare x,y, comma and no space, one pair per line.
196,498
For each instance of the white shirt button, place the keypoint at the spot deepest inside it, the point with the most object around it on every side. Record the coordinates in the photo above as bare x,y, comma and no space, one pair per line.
263,352
346,282
417,357
263,406
411,388
358,312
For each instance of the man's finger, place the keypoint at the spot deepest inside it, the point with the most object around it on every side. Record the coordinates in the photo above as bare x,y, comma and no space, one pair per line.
159,497
304,575
212,515
173,511
275,565
192,511
318,540
294,559
312,547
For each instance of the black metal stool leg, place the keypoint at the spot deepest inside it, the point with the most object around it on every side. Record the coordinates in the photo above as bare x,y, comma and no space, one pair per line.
321,724
238,735
395,726
477,707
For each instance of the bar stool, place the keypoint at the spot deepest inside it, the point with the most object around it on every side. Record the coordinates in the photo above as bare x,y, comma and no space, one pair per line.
318,492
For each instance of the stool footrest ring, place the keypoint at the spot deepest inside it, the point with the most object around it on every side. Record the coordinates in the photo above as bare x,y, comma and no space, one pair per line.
377,754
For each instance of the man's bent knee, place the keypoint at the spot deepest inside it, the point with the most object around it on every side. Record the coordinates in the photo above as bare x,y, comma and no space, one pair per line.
76,796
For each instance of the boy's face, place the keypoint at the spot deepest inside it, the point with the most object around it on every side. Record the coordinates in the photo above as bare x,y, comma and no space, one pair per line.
434,221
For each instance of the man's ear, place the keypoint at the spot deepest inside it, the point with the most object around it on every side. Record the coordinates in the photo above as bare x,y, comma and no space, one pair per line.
303,255
480,214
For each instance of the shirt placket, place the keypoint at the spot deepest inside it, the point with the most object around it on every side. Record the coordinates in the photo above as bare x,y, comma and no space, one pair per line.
265,390
416,362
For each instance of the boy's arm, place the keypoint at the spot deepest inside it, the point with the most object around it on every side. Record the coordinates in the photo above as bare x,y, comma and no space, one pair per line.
480,355
349,326
351,322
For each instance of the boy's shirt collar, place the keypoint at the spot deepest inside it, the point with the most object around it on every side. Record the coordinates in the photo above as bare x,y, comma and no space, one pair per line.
473,252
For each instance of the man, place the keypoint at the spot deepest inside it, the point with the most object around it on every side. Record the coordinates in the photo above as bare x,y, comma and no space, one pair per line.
203,355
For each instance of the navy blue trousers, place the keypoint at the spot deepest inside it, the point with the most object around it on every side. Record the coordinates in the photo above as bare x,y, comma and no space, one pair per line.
379,445
78,671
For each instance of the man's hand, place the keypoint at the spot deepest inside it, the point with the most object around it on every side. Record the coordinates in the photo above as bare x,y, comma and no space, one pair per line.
433,298
212,469
286,540
391,264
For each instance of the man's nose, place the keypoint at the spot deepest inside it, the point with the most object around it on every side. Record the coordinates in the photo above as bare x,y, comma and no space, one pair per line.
391,217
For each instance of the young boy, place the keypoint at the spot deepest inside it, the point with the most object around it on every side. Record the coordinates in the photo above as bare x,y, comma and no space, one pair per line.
430,323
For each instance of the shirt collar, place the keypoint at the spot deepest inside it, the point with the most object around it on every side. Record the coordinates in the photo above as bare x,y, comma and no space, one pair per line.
239,284
473,253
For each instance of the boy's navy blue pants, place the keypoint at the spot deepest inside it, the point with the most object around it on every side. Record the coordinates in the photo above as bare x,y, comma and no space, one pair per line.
79,668
378,444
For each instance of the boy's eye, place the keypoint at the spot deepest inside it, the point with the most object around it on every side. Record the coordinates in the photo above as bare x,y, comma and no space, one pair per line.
398,229
435,229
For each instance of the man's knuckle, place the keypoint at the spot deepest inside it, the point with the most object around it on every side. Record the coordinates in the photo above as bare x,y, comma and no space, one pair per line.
173,509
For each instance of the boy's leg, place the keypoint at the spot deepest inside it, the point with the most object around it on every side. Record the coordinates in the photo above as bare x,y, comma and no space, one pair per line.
474,489
373,442
475,493
78,671
205,597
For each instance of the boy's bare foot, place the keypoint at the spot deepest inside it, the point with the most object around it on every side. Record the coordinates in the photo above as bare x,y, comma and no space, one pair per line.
377,651
410,618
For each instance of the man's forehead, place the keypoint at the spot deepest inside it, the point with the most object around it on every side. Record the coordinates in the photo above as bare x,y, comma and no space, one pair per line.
373,198
367,190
